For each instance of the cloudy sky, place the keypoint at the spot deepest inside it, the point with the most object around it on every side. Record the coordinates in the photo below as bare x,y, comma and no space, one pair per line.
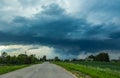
64,28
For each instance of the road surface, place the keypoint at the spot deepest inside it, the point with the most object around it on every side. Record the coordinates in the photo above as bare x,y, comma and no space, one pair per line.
45,70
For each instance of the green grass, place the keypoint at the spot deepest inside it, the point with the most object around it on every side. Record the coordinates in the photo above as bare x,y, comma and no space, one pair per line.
6,69
107,65
93,72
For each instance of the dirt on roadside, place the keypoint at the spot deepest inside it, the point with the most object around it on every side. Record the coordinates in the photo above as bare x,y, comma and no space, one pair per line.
80,75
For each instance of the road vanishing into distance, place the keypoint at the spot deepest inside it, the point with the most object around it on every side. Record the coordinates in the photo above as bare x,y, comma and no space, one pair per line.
45,70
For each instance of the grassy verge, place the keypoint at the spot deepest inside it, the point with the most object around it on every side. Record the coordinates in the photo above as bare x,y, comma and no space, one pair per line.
6,69
93,72
105,65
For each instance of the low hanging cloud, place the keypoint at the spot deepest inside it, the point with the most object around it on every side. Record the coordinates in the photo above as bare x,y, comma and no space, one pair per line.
39,52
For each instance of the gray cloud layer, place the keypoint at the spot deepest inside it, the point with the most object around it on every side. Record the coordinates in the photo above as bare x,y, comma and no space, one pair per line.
97,29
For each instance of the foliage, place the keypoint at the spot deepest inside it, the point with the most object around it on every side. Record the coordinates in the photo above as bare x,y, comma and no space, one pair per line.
20,59
56,58
44,58
100,57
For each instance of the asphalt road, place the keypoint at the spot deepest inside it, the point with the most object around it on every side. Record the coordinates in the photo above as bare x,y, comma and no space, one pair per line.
45,70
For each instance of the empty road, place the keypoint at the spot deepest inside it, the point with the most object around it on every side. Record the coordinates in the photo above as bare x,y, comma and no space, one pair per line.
45,70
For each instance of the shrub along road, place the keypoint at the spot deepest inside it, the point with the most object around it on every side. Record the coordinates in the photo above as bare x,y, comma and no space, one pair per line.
45,70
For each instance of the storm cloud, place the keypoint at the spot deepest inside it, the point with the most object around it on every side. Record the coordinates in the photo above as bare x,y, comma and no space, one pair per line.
87,26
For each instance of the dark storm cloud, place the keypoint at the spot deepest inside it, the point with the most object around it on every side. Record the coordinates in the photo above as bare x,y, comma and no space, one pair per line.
54,27
115,35
52,22
66,46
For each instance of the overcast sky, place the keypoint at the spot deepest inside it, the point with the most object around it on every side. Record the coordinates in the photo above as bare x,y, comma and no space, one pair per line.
64,28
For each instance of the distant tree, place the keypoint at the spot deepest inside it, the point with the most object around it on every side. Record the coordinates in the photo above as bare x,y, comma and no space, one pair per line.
56,58
0,60
44,58
74,59
41,59
91,58
4,55
22,58
102,57
14,60
67,60
8,59
31,59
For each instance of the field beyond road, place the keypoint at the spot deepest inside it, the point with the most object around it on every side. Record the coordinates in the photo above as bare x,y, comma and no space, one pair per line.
91,70
44,70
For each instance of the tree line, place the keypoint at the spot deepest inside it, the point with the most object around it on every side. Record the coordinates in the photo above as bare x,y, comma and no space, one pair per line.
20,59
103,57
31,59
23,59
100,57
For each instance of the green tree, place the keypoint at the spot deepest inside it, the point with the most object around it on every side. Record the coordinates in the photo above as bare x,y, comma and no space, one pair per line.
56,58
4,55
91,58
102,57
8,59
22,58
14,60
31,59
44,58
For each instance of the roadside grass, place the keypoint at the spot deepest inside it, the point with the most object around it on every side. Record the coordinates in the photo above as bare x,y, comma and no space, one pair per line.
6,69
93,72
107,65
